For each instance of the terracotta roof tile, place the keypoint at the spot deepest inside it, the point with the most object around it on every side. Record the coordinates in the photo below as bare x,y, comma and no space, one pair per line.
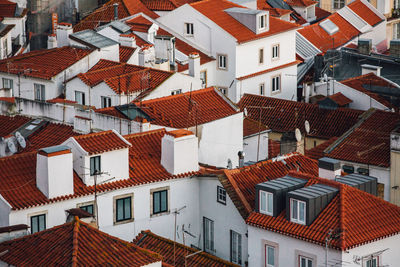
369,142
240,183
101,142
178,111
251,127
302,3
160,5
317,152
321,13
7,9
214,10
274,148
165,247
340,99
44,64
125,53
18,173
364,12
359,216
363,82
139,24
285,115
10,124
74,244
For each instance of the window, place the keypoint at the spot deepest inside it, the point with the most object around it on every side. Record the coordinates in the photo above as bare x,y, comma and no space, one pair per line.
276,83
189,28
266,201
80,97
95,166
236,247
7,83
338,4
371,261
221,195
160,201
297,211
396,4
305,262
88,208
261,56
39,92
223,90
348,169
262,21
269,256
275,51
38,223
203,78
222,62
208,229
105,102
363,171
262,89
396,30
176,92
123,209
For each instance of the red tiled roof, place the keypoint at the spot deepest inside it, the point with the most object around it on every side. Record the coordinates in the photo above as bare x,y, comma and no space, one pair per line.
105,13
43,64
139,24
10,124
125,53
96,143
323,41
364,12
7,9
277,12
274,148
340,99
359,216
112,111
185,110
18,173
302,3
160,5
214,10
240,183
74,244
61,100
318,151
367,80
321,13
369,142
165,247
284,116
251,127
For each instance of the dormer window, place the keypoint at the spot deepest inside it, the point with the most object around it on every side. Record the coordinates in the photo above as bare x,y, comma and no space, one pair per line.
266,202
189,29
297,211
95,167
262,22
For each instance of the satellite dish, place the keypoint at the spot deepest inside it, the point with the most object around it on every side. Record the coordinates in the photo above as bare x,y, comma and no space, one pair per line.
298,134
307,126
245,112
325,77
20,139
11,146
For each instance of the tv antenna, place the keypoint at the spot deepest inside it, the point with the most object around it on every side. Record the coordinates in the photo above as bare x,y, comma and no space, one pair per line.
176,212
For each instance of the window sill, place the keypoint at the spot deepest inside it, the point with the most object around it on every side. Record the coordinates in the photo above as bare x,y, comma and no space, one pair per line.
160,214
222,203
276,92
124,221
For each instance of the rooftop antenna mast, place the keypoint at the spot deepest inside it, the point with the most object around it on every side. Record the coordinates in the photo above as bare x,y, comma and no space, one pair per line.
176,212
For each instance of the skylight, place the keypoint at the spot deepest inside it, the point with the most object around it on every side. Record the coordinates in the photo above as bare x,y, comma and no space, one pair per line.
330,27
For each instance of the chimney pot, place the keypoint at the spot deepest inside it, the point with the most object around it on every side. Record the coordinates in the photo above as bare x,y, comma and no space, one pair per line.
115,11
194,65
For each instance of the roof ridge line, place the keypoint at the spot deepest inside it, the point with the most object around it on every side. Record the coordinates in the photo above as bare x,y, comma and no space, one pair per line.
75,244
342,239
162,98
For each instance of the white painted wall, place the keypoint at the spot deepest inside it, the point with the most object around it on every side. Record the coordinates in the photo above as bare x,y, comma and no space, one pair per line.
5,210
250,145
225,217
19,29
5,50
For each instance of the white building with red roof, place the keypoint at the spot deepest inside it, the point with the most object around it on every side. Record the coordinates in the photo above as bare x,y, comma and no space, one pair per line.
255,52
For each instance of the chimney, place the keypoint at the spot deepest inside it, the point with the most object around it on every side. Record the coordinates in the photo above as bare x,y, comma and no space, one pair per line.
366,68
146,55
115,11
63,32
194,65
127,40
54,171
364,46
395,47
179,152
241,159
328,168
51,41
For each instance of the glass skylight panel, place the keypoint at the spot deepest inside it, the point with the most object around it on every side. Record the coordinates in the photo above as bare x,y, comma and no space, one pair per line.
330,27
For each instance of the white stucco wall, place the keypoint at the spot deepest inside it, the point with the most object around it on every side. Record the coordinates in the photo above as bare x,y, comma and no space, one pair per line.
250,145
5,210
19,29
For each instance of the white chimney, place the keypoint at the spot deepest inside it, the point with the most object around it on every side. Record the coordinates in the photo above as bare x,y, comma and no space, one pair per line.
328,168
194,65
54,171
146,55
51,41
366,68
179,152
63,31
127,40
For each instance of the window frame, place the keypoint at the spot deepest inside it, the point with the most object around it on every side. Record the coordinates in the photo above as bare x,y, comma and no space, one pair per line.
176,92
275,54
307,259
219,57
159,190
189,29
273,84
39,91
302,254
267,194
105,102
207,249
85,204
222,89
297,220
261,56
339,3
205,78
10,81
235,236
371,258
219,190
275,246
82,97
116,200
261,88
38,215
262,22
90,164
